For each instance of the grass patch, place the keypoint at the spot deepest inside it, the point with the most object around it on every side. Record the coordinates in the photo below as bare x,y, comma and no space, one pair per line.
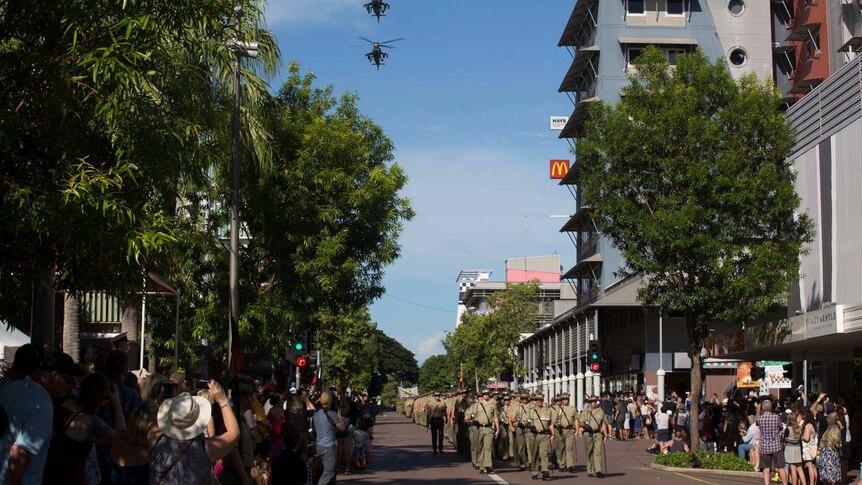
706,460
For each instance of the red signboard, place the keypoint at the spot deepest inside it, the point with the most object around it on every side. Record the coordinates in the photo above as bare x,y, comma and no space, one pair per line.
559,169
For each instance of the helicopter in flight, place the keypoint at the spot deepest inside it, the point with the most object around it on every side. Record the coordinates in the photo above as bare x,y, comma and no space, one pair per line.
377,8
377,55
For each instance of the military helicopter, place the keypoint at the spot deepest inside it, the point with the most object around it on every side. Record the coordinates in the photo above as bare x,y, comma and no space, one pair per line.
377,8
376,56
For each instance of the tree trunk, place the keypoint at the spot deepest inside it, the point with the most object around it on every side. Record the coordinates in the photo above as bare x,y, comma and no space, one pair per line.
72,327
130,323
695,339
42,316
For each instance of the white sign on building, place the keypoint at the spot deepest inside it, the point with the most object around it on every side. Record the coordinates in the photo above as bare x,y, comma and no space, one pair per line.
558,122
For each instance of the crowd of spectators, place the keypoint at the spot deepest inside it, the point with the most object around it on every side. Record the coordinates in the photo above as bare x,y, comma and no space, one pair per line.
63,423
785,439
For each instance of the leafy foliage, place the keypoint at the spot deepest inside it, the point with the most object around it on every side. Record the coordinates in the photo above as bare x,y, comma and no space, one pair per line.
707,460
106,110
485,343
389,359
436,374
688,176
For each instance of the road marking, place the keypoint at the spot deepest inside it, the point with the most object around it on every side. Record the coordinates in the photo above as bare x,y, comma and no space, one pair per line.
497,479
695,479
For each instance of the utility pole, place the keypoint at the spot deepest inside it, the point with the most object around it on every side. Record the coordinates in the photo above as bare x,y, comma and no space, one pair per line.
240,49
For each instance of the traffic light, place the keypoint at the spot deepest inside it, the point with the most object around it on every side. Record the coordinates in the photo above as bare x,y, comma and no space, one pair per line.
296,354
594,356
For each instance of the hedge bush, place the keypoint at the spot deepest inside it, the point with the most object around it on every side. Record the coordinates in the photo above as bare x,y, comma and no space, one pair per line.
706,460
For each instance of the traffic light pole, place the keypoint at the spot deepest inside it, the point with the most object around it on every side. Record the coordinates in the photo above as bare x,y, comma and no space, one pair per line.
660,372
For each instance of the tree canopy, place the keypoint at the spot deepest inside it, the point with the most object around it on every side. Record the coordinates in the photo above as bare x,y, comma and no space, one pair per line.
437,374
688,176
485,343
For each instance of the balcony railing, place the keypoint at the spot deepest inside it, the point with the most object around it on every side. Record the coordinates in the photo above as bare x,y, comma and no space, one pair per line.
588,246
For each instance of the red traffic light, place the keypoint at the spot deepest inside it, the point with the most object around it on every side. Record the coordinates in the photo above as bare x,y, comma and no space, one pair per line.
301,362
594,367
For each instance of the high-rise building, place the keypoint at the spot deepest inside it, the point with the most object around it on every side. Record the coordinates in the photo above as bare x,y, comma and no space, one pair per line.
603,38
467,279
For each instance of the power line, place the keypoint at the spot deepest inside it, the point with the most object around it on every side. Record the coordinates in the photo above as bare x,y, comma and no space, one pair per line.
418,304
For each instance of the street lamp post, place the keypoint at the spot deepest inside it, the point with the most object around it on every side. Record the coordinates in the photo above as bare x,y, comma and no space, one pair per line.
240,50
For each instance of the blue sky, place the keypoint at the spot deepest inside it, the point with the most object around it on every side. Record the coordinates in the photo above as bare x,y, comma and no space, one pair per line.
466,99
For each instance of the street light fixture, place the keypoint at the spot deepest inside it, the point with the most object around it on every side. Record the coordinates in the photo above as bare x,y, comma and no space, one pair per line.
240,49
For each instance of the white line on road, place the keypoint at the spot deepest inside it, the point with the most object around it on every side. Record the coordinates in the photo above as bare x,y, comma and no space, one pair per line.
497,479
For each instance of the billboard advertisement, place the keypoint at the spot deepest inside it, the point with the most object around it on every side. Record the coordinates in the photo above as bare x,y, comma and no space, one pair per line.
558,122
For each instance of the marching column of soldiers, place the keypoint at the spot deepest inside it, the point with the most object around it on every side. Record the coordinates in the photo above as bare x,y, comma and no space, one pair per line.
513,426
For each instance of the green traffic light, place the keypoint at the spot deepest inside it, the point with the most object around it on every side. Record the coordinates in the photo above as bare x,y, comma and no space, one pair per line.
595,356
298,346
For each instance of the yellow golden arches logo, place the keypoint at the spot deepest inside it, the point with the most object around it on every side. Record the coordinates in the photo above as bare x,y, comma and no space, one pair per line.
559,169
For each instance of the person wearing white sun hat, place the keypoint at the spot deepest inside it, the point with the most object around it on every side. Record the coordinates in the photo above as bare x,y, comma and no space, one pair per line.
183,455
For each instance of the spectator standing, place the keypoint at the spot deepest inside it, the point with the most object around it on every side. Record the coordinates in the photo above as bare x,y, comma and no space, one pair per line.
793,448
77,428
662,429
326,423
288,467
130,450
183,455
771,447
116,370
27,360
28,404
810,446
829,462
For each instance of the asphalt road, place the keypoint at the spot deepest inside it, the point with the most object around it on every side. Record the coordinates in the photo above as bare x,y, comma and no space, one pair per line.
402,455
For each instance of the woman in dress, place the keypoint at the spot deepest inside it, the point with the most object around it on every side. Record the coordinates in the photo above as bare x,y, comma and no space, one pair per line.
130,450
793,448
829,461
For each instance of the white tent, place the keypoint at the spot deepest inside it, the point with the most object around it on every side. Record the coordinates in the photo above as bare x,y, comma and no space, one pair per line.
10,340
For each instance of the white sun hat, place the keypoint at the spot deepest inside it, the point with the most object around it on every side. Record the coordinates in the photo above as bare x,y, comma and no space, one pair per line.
184,417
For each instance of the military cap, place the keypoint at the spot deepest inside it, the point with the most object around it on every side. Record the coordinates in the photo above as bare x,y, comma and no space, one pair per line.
485,392
538,396
592,398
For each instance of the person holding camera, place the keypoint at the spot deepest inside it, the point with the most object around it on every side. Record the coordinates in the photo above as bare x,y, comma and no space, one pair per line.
593,426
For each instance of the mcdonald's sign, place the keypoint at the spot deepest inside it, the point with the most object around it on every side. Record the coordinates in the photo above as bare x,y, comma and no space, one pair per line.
559,169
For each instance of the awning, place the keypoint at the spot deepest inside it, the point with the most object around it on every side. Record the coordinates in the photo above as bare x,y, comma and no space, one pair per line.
582,58
576,20
575,124
802,31
853,44
571,177
783,48
806,85
585,266
626,295
656,41
579,222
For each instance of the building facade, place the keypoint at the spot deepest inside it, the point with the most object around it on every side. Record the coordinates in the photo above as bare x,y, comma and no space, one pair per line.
603,39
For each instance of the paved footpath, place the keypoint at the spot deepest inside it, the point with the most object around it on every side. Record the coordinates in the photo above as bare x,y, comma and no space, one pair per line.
402,455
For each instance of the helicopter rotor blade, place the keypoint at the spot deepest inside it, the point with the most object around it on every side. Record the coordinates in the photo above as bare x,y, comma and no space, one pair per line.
393,40
366,40
387,46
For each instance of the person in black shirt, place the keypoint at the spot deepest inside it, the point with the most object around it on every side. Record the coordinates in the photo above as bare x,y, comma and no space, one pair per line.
288,468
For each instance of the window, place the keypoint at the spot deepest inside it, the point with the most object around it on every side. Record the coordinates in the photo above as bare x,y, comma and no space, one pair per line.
675,7
736,7
738,57
812,45
673,55
637,7
633,53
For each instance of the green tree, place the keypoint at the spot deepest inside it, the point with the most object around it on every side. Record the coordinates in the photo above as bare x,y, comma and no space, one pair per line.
107,109
485,344
688,176
389,394
387,358
436,374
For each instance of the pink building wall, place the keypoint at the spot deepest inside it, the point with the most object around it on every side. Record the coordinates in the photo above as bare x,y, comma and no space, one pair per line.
521,276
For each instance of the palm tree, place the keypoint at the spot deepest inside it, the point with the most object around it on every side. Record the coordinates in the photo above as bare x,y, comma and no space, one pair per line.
72,326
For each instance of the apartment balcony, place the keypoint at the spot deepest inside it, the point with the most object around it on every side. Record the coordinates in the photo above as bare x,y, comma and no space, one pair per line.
589,246
582,26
